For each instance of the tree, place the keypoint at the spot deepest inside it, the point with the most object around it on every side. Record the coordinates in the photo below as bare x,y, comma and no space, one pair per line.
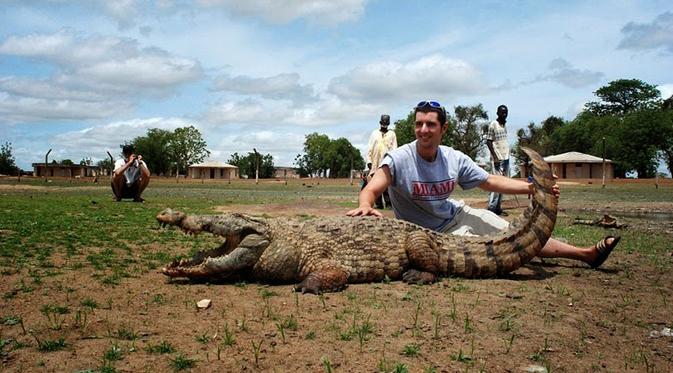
404,129
105,164
67,162
187,147
541,139
667,104
323,154
301,161
624,96
640,137
156,151
316,146
667,134
339,155
7,163
247,165
466,132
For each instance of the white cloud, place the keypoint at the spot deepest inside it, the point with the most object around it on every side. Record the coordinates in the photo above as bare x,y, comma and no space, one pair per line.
148,72
282,145
123,11
666,90
327,111
433,77
284,11
644,36
277,87
563,72
15,109
96,140
46,89
95,76
116,63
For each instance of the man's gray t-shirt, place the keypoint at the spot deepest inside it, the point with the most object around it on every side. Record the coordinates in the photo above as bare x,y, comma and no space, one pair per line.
420,190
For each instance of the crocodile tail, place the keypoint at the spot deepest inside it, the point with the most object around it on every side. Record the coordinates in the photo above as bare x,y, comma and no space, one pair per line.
524,238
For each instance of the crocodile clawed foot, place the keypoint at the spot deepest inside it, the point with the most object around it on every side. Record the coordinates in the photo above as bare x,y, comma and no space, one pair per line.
324,280
310,285
414,276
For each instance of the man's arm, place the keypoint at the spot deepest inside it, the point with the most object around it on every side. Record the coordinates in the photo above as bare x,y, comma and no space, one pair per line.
490,137
379,183
120,170
502,184
143,166
489,143
370,148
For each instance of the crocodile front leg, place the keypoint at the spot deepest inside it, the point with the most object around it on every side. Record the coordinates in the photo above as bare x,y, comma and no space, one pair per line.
329,277
243,257
423,259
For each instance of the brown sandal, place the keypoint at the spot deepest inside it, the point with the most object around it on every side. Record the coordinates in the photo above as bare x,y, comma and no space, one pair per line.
604,249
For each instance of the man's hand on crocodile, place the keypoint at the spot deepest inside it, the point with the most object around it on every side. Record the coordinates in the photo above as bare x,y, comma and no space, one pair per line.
365,211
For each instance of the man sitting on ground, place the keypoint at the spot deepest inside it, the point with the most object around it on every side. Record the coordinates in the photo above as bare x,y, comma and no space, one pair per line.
131,176
421,175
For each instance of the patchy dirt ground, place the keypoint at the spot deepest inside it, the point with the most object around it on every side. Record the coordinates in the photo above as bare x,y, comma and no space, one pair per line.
556,315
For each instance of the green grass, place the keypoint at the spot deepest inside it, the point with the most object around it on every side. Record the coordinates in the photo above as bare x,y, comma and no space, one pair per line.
161,348
181,362
116,241
51,345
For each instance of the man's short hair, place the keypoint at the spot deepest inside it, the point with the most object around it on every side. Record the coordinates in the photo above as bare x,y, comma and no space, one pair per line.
128,149
441,112
501,107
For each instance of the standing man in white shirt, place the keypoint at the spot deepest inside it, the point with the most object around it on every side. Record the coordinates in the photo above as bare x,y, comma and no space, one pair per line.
496,141
381,141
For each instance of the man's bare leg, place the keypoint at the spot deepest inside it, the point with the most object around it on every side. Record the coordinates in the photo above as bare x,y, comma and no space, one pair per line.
144,182
557,249
117,185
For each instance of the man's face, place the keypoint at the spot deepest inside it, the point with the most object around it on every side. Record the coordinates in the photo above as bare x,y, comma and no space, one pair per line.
384,123
428,130
502,113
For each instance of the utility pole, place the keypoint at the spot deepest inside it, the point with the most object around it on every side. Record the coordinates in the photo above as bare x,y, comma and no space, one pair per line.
112,164
351,181
603,162
46,165
256,166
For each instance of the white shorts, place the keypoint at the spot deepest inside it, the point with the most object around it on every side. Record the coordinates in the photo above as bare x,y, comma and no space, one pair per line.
475,222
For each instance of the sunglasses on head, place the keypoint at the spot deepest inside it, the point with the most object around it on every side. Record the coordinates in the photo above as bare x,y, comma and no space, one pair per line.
434,104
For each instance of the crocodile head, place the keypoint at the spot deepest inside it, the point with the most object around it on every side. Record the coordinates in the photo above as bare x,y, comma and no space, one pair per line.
245,238
170,217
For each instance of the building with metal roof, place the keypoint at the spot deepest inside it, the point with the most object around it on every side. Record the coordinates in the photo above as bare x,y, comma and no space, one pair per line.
213,170
576,165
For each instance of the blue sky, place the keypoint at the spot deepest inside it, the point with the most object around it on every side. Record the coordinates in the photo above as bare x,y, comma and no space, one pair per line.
81,77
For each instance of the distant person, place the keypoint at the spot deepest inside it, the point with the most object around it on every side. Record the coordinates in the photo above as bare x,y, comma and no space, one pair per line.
363,179
130,176
381,141
496,140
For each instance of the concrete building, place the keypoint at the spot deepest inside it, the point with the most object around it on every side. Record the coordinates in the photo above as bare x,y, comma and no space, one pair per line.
61,170
213,170
285,172
575,165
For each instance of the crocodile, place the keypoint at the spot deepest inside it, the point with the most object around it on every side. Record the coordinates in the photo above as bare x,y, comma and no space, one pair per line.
325,254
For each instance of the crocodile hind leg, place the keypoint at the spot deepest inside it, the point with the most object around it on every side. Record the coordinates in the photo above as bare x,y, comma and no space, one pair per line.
330,277
243,257
423,259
